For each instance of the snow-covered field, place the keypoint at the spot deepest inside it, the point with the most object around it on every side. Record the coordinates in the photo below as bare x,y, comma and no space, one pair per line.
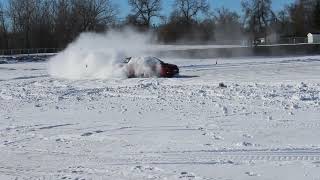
264,125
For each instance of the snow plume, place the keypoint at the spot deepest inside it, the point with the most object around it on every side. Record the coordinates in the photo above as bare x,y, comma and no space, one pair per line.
97,56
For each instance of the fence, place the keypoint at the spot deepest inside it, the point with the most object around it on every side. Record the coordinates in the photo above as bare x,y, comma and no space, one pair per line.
29,51
284,50
293,40
245,43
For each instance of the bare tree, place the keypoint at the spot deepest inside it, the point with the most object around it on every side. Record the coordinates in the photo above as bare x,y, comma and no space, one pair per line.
228,26
93,15
144,10
63,23
189,9
54,23
284,26
43,24
2,18
298,19
183,25
21,13
3,29
257,15
32,20
316,16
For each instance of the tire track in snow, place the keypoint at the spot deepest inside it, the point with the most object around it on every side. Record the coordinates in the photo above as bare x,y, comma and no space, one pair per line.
226,156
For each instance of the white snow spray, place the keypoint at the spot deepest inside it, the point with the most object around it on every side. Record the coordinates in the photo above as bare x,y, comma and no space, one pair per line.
96,56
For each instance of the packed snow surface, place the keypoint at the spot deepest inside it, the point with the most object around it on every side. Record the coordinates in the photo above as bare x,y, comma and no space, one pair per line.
262,122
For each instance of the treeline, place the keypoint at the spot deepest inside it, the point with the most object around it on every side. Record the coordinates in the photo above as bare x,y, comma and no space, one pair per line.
51,23
55,23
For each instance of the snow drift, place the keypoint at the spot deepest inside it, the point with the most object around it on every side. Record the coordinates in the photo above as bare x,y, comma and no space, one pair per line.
98,56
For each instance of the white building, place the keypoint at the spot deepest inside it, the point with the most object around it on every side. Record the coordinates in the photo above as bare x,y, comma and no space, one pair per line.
313,38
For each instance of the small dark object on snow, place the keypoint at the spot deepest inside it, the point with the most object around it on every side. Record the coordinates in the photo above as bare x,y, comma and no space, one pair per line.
87,134
222,85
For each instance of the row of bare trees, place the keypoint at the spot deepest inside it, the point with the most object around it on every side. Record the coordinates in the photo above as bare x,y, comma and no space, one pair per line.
294,20
51,23
55,23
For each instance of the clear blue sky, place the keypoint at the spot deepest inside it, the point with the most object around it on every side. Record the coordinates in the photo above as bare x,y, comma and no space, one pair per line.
167,5
234,5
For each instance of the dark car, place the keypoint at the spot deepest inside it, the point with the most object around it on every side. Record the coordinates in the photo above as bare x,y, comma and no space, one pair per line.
168,70
150,67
